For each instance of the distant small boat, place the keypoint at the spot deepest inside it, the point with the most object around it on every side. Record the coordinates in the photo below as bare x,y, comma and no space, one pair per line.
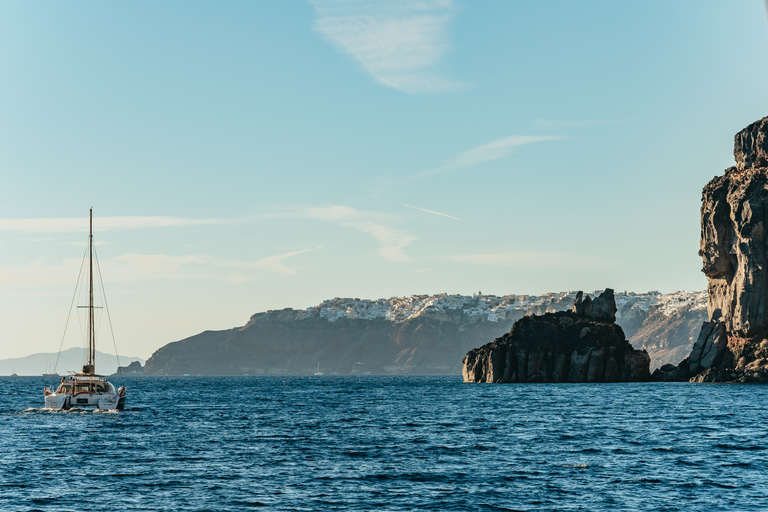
86,389
13,373
318,372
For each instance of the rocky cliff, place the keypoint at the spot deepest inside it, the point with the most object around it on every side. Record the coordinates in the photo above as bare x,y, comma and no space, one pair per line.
733,238
427,334
667,336
581,345
734,211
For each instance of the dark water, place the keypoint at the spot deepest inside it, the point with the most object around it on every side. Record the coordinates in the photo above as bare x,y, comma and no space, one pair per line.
390,443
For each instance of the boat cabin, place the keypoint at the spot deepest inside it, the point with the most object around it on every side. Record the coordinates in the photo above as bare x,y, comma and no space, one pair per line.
92,384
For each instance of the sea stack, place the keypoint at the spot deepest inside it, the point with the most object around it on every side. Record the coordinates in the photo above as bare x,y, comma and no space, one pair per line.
581,345
732,344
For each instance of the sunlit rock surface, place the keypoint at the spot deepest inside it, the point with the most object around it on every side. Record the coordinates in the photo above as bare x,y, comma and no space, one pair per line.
732,345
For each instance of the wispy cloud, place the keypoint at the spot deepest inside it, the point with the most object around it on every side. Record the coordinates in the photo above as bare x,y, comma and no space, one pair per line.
132,267
171,267
494,150
67,225
156,265
379,226
399,42
275,263
432,212
391,240
499,148
37,273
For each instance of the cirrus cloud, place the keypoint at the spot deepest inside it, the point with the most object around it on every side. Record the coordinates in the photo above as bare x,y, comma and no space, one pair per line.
391,240
275,263
399,42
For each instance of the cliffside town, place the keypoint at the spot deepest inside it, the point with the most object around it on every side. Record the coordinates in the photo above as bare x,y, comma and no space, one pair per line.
493,308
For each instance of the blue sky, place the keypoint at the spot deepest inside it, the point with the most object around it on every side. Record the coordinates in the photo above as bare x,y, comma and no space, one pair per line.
250,155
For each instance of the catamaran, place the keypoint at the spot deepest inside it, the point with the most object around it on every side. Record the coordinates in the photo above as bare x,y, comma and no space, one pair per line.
86,388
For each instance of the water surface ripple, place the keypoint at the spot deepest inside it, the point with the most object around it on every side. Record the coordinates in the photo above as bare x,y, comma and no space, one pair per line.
392,443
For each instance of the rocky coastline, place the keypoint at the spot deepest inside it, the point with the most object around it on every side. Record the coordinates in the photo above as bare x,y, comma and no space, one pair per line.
419,334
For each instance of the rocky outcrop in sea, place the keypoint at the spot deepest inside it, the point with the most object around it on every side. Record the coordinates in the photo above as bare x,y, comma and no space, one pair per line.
132,370
581,345
732,345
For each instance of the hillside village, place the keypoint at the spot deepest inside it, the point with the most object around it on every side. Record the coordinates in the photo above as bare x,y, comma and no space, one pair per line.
496,308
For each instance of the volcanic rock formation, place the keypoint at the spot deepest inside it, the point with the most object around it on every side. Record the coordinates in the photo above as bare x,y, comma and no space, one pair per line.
731,346
581,345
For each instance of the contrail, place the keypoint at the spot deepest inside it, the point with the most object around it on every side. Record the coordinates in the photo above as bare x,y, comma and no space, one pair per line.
432,212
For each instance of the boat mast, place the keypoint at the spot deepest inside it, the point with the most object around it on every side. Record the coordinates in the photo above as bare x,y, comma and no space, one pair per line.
91,330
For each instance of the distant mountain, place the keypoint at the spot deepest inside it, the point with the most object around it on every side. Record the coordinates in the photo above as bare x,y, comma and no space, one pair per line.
423,334
70,360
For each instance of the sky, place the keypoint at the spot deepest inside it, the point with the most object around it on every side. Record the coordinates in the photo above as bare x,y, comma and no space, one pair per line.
246,156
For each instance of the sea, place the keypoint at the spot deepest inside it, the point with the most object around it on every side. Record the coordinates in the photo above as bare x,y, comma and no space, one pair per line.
389,443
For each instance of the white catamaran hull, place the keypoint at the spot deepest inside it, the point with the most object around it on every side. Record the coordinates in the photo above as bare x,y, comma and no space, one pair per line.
107,402
85,391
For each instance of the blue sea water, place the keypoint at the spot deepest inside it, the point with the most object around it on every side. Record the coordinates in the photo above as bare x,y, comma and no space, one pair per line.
387,443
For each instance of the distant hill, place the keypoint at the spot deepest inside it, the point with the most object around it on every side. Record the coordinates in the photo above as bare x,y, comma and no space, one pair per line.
423,334
70,360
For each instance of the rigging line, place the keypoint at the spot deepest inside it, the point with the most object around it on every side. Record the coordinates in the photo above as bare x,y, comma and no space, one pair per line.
100,318
81,323
77,285
109,318
82,320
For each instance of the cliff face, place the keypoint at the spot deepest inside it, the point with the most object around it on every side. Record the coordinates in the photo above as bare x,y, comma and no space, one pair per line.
734,212
734,250
667,338
581,345
280,343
